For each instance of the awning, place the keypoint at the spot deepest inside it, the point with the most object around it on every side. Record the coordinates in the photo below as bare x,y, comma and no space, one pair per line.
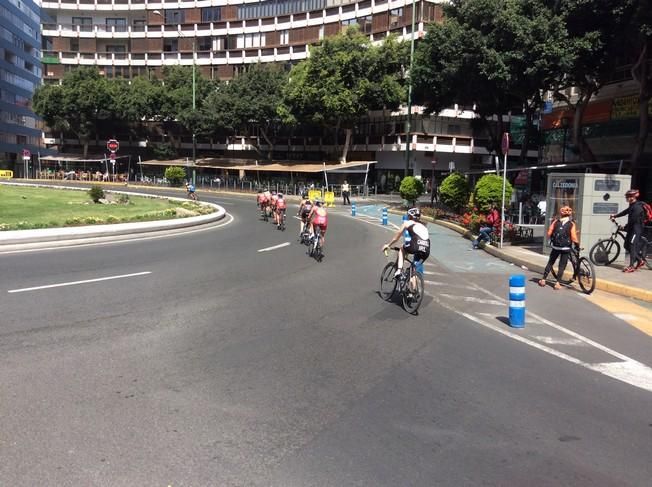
279,166
79,158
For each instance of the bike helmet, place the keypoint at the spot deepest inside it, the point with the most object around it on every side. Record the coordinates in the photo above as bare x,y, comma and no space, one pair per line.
565,211
632,193
280,195
317,202
414,213
273,192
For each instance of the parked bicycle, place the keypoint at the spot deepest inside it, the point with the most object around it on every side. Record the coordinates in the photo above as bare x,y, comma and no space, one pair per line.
606,251
409,284
583,272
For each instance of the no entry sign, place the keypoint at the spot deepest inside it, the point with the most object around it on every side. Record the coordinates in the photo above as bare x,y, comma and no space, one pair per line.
112,145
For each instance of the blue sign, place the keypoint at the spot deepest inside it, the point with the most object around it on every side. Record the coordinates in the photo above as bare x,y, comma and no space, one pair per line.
547,107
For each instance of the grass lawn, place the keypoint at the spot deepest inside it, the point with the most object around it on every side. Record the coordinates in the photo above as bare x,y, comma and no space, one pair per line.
25,207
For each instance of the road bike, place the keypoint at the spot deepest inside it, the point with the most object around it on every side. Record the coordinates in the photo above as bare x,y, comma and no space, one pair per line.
583,272
304,236
408,285
192,196
315,250
281,223
605,251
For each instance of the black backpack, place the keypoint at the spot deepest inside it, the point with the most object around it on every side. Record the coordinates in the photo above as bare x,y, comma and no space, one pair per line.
561,234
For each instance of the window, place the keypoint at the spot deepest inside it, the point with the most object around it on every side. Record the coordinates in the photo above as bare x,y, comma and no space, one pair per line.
348,22
175,16
365,24
85,23
204,43
454,129
284,37
248,41
170,45
139,25
116,48
119,24
46,43
74,45
211,14
395,17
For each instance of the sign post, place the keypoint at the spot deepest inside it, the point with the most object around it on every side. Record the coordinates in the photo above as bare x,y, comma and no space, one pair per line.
505,148
27,156
112,145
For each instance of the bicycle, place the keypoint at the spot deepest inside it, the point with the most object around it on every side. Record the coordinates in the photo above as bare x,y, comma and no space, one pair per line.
605,251
304,236
281,223
192,196
583,272
315,249
409,284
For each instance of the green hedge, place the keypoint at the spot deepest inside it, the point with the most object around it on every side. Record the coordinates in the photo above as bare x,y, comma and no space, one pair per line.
489,190
454,191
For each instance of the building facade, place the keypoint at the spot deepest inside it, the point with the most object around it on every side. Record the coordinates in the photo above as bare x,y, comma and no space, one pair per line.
20,74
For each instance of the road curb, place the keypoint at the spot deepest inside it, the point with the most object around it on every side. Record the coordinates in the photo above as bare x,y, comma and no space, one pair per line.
49,235
602,284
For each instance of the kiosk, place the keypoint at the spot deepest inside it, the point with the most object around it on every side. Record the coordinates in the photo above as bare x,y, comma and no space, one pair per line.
593,197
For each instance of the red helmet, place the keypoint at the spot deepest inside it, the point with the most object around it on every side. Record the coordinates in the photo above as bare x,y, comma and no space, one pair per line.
632,193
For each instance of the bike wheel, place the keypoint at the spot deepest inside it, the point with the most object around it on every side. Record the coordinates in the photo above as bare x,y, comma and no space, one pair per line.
387,281
604,252
413,293
586,275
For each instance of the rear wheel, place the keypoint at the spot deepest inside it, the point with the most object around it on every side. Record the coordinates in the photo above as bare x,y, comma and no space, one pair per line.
413,293
586,275
387,281
604,252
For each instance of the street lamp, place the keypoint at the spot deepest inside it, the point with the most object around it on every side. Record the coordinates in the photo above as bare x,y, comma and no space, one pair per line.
564,124
194,98
409,107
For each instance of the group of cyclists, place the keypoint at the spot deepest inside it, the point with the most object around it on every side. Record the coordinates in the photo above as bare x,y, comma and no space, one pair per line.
274,204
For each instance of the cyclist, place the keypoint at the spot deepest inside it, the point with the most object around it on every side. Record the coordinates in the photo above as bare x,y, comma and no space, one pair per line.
636,215
272,204
190,188
318,217
304,211
562,234
281,206
419,244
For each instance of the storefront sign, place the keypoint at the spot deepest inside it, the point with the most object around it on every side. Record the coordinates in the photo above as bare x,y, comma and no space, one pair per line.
627,107
565,184
605,208
606,185
5,174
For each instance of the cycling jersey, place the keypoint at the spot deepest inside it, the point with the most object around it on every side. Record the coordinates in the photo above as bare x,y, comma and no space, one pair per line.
191,188
280,204
320,219
419,243
305,210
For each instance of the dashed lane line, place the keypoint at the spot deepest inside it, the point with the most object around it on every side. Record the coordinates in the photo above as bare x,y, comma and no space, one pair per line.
274,247
75,283
473,299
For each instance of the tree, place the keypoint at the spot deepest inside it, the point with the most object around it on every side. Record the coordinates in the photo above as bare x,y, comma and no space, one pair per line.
496,56
175,175
344,78
249,104
454,191
82,99
411,188
489,190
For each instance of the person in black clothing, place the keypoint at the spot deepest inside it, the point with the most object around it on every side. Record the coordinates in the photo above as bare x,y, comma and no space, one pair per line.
635,217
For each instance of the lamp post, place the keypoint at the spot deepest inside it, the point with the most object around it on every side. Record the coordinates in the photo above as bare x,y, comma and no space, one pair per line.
564,124
194,98
409,107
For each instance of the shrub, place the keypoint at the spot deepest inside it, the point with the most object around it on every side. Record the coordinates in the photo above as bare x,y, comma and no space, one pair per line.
96,193
454,191
489,190
175,175
411,188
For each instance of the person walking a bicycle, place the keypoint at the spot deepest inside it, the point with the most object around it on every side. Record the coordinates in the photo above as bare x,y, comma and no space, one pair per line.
637,214
419,244
563,235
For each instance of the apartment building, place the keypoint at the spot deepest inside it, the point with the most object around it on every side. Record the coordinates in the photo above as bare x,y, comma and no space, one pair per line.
20,74
128,38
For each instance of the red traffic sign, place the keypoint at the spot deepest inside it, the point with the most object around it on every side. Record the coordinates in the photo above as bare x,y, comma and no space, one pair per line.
112,156
113,145
504,145
26,153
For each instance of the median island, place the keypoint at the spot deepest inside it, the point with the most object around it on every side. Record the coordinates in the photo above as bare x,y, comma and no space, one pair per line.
24,208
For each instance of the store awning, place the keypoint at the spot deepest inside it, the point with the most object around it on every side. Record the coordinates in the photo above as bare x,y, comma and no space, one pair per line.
278,166
79,158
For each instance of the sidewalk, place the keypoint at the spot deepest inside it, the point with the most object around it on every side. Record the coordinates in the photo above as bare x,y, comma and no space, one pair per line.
611,279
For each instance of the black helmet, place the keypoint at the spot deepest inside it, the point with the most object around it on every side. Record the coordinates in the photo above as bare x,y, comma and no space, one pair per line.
414,213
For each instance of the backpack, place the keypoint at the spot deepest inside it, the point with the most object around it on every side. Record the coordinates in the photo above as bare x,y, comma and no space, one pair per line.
561,234
647,217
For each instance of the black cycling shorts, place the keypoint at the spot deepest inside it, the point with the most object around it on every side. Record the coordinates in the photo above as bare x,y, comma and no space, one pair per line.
418,247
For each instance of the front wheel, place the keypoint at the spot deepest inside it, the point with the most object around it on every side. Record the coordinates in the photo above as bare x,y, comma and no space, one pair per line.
387,281
604,252
413,293
586,275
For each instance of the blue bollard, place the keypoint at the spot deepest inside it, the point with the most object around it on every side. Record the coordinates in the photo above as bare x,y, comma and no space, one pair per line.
517,301
406,234
384,216
353,208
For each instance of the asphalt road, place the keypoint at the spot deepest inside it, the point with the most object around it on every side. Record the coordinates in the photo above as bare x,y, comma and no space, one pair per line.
204,362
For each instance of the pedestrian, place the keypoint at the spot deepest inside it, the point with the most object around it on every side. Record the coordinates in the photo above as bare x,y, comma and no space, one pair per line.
562,234
637,215
346,191
383,182
492,225
433,193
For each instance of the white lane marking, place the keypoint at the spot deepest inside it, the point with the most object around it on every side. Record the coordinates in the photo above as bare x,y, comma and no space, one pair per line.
274,247
74,283
432,273
559,341
625,316
178,233
628,370
459,286
472,299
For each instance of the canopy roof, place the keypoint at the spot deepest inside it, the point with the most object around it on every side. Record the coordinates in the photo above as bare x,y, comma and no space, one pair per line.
273,166
79,157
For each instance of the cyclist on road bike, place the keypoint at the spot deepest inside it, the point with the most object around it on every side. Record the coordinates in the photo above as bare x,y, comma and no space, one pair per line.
304,211
281,206
419,244
636,215
260,199
272,204
318,217
190,188
562,234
